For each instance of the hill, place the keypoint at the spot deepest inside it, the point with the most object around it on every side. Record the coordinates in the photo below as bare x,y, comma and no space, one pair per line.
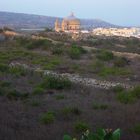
20,20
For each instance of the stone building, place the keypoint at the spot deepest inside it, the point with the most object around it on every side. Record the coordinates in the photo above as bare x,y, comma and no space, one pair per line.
69,24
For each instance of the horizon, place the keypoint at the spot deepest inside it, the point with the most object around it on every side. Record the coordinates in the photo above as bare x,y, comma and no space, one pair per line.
122,13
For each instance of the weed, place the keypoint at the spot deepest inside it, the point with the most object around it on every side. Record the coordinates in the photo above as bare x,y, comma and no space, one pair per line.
38,91
75,52
136,129
118,88
60,97
18,71
35,103
126,97
14,95
81,126
120,62
104,55
100,106
71,110
4,68
51,82
47,118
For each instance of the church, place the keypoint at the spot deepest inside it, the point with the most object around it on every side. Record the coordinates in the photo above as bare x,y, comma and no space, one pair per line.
69,24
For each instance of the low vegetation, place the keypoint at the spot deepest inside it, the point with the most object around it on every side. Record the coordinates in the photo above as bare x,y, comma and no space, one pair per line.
26,96
81,126
75,52
129,96
68,111
47,118
100,134
135,129
98,106
52,82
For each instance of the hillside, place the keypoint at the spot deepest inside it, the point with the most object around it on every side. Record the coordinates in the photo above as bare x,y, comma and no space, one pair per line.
49,81
19,20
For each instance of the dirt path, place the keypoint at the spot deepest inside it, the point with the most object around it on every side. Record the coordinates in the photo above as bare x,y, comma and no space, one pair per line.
126,54
75,78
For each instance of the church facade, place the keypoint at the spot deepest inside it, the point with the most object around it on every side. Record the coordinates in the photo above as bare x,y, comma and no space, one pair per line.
69,24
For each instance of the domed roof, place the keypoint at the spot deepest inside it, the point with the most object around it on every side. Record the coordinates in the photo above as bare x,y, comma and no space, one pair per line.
71,19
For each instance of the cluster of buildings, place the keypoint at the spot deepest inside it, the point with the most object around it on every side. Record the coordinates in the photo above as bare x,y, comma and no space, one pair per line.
125,32
71,24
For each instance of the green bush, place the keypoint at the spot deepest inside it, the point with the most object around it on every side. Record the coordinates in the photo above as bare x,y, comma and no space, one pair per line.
136,129
118,88
52,82
57,51
2,91
47,118
60,97
130,96
4,68
115,71
18,71
100,134
81,126
71,110
38,91
120,62
35,103
5,84
126,97
52,63
14,95
104,55
75,52
136,91
97,106
41,43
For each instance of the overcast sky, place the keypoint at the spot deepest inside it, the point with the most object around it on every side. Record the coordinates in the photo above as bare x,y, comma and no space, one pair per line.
121,12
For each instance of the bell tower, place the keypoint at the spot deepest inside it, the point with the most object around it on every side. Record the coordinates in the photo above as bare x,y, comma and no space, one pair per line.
57,26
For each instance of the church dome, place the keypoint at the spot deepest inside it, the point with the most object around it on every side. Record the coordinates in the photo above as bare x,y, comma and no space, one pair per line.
72,19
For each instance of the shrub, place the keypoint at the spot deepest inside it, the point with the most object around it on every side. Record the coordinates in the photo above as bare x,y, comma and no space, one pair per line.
100,134
18,71
71,110
60,97
129,96
99,106
38,91
104,55
126,97
57,51
14,95
52,64
136,91
118,88
5,84
47,118
4,68
106,71
120,62
2,91
43,43
75,52
52,82
35,103
98,66
136,129
81,126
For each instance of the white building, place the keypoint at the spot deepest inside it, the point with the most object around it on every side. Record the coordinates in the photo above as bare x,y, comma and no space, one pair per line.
125,32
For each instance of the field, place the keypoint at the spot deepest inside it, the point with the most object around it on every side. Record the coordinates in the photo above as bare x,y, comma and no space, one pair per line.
37,106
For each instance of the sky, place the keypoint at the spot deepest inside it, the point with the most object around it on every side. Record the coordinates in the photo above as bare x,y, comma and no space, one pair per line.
119,12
